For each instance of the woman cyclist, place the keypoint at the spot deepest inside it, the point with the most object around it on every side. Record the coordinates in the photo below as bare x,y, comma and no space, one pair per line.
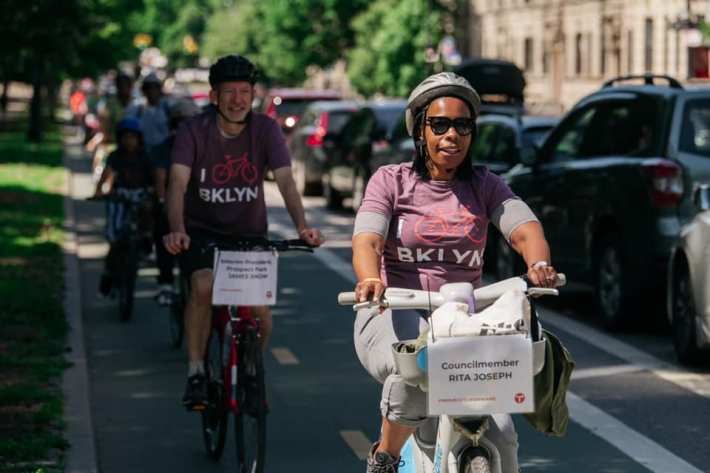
423,224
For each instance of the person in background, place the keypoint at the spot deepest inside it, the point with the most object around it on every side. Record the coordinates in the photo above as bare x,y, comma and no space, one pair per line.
160,161
110,110
127,174
153,115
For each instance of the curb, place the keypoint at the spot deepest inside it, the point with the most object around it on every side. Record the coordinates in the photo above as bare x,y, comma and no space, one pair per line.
81,455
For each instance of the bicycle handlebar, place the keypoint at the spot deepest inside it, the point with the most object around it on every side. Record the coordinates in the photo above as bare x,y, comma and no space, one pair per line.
399,298
251,244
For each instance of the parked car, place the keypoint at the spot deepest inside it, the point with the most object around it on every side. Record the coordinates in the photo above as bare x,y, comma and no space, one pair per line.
286,106
611,186
502,140
314,140
366,134
689,284
500,84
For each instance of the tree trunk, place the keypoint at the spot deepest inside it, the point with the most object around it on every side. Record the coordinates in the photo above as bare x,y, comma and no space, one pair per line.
34,133
51,100
5,98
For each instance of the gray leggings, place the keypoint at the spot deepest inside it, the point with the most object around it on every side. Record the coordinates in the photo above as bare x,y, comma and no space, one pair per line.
404,404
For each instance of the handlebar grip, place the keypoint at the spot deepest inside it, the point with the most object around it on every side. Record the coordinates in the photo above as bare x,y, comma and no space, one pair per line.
561,280
346,298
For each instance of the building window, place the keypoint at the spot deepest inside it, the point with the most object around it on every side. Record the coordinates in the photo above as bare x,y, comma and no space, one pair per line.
630,53
529,57
578,54
648,46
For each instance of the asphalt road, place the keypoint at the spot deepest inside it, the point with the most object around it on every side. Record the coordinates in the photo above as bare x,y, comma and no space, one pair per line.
633,409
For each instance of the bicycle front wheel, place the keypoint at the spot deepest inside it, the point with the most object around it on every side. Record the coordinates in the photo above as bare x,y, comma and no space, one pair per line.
127,284
250,420
177,313
215,417
475,460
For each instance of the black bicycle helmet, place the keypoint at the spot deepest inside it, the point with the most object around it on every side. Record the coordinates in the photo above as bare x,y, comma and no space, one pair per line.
232,68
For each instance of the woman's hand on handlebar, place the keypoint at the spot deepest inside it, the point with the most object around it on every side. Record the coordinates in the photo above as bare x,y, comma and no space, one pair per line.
369,289
542,275
175,242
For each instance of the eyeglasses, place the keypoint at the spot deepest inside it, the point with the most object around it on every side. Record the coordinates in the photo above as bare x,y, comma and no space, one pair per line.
440,125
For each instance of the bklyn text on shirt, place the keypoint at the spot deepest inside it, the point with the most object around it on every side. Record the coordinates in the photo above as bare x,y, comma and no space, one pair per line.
226,195
471,258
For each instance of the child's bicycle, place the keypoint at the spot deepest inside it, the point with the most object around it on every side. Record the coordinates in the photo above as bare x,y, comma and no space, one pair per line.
128,245
234,368
452,443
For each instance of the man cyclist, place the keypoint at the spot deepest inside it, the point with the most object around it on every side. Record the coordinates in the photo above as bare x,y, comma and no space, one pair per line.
209,201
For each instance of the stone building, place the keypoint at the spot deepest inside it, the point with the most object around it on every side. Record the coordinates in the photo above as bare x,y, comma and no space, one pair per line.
568,48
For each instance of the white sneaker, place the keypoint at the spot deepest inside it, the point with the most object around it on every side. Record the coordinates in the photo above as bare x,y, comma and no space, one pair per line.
165,295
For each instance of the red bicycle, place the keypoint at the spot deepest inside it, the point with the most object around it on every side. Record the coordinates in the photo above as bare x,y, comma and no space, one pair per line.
223,173
234,367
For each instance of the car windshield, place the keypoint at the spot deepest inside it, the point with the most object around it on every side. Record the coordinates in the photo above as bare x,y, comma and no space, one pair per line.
387,119
695,131
291,107
534,136
336,120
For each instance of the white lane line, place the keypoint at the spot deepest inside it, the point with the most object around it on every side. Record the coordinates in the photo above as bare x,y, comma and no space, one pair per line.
358,442
694,382
284,356
601,371
640,448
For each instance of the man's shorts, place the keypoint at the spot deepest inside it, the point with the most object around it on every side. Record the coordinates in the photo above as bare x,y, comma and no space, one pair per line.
200,254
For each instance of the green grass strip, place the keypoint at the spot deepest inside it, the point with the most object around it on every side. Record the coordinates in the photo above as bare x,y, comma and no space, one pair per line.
32,323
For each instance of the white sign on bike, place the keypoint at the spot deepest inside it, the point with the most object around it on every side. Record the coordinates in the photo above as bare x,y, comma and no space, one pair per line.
245,278
480,375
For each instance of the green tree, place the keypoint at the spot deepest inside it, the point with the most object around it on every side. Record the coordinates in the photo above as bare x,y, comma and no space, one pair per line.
43,41
290,35
232,30
391,38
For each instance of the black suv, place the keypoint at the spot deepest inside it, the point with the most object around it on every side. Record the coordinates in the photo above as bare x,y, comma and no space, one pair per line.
612,185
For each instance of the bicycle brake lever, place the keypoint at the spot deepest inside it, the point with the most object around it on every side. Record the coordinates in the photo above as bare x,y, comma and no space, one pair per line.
370,304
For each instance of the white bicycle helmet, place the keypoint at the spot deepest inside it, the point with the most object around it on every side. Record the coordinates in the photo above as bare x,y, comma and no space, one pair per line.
443,84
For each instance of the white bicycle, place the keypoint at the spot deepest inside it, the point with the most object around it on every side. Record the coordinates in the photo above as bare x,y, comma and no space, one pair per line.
452,443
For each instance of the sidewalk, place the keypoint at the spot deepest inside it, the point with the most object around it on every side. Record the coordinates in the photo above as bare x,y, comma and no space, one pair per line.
81,456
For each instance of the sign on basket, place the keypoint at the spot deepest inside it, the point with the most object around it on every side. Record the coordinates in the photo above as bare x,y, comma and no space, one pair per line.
480,375
245,278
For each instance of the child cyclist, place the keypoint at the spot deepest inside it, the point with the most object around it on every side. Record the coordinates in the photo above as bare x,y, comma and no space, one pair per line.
128,175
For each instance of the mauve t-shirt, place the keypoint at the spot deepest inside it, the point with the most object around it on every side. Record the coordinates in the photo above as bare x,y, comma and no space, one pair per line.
226,190
437,230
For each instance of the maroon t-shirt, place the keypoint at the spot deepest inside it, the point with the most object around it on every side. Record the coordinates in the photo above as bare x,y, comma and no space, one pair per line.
438,229
226,190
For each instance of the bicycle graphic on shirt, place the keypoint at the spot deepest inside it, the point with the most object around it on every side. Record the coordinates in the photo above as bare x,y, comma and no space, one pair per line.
222,173
441,224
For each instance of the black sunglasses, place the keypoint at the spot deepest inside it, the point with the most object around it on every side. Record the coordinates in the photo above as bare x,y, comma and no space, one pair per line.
440,125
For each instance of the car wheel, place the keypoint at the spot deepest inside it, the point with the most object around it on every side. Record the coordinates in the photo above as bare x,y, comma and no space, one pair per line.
358,189
333,199
683,316
612,299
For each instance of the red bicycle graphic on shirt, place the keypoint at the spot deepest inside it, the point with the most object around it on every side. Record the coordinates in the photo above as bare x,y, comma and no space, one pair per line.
441,224
222,173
